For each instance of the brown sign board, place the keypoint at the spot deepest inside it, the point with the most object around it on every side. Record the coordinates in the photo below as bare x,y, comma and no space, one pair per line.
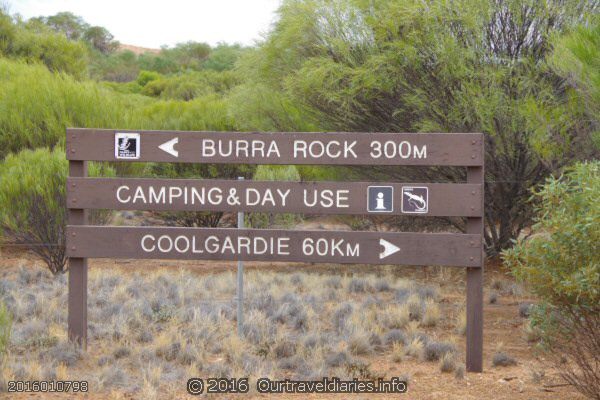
316,148
424,199
340,247
333,148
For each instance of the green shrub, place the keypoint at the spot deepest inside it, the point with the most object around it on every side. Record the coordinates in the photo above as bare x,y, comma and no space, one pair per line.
274,173
52,49
561,264
192,84
33,203
125,88
205,113
36,106
35,42
146,77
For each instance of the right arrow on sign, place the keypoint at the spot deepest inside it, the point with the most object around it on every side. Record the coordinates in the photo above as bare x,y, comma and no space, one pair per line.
388,248
168,147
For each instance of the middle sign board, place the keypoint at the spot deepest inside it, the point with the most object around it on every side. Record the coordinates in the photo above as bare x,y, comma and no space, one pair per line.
431,199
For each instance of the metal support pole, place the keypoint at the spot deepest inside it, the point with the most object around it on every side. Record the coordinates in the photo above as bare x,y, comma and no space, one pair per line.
240,279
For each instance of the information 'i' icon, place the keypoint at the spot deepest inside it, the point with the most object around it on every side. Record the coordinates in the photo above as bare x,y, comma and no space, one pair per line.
380,199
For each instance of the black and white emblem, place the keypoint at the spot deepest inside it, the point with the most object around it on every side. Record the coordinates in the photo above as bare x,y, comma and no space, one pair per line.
415,200
127,145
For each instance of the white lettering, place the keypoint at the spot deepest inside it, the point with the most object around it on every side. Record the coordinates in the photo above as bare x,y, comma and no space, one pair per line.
121,200
283,195
299,146
139,195
208,148
422,153
252,197
144,247
156,198
341,198
348,149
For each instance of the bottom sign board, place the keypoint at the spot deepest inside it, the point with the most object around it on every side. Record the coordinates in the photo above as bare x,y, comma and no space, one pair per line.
338,247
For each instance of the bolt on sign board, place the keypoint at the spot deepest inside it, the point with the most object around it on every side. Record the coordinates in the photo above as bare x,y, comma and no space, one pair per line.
416,199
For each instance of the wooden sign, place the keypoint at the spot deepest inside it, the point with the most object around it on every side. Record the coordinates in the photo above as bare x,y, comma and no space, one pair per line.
338,247
425,199
459,149
317,148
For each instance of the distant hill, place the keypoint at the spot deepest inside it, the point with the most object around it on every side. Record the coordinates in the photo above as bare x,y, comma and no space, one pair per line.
137,49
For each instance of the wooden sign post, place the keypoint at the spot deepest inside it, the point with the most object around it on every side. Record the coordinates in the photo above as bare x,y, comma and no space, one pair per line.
367,198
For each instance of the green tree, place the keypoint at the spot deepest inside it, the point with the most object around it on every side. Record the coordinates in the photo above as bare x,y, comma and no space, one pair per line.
157,63
35,42
576,58
414,66
560,262
7,32
54,50
121,66
65,22
188,55
100,39
33,202
223,57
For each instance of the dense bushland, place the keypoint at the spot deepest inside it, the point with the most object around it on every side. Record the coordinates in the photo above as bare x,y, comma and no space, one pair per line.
34,42
525,74
413,66
33,202
560,262
37,105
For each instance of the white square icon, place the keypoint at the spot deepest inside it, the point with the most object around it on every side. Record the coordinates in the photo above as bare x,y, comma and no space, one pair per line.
127,146
415,199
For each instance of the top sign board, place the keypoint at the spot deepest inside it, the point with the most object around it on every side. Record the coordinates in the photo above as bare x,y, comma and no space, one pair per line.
445,149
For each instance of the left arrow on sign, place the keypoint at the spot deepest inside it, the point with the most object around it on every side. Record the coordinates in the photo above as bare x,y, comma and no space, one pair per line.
388,248
168,147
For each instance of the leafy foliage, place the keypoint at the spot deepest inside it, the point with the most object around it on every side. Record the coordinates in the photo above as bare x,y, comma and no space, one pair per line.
35,42
66,22
190,85
561,264
561,261
33,202
524,73
576,58
75,29
36,106
465,66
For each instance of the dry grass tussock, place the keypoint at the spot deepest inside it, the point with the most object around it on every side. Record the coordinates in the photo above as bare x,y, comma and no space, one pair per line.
155,330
